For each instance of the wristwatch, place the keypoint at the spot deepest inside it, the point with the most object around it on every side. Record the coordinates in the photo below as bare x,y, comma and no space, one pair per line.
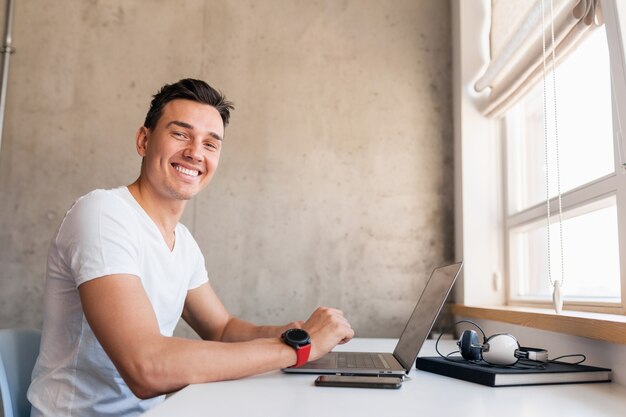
299,340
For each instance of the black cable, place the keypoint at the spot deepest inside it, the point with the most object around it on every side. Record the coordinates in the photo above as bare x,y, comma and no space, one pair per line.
584,358
451,327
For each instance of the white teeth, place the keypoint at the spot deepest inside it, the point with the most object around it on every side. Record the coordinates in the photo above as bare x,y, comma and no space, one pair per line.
190,172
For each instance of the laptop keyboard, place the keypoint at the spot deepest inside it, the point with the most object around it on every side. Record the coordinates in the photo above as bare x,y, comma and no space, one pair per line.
360,361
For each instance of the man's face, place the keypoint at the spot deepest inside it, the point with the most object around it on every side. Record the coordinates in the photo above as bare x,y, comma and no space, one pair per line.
182,152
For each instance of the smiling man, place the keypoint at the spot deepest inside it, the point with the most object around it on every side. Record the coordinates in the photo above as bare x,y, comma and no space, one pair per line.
122,271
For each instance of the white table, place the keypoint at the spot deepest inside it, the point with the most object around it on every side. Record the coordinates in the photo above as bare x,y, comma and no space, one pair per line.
276,394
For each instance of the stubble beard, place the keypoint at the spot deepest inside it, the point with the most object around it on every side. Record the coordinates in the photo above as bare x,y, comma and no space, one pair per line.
178,195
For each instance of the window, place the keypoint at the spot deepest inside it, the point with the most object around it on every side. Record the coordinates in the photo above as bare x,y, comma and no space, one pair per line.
590,181
500,207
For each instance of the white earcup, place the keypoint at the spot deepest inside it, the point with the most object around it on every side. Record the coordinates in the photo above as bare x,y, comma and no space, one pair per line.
501,350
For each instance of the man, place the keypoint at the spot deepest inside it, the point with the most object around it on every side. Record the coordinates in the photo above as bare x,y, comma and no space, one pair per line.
121,271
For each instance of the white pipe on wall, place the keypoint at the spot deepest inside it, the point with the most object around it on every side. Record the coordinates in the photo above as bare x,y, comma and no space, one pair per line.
6,51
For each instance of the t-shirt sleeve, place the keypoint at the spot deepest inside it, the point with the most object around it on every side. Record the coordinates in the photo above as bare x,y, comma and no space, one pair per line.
200,274
197,273
99,236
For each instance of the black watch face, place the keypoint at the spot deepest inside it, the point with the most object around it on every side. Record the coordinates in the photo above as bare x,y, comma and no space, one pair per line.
297,336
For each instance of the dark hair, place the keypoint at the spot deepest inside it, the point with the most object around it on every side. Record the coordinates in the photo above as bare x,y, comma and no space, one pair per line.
187,89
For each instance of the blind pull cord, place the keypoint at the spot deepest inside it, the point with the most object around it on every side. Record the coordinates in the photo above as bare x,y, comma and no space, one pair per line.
557,296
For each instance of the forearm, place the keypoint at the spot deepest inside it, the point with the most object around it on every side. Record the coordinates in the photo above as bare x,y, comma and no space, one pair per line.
237,330
170,364
206,314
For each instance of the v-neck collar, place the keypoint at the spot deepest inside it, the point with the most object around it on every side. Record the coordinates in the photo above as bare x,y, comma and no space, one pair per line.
129,196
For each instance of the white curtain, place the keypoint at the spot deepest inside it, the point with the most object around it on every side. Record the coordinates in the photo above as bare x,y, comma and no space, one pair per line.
518,65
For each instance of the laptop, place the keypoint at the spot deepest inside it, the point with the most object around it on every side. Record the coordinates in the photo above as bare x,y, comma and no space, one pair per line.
415,333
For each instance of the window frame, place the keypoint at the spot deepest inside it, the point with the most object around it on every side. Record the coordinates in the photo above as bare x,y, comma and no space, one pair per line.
613,184
615,20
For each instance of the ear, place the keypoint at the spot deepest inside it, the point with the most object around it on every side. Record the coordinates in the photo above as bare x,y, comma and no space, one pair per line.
142,140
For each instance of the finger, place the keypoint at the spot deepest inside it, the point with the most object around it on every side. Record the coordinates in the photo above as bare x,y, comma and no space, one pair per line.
347,338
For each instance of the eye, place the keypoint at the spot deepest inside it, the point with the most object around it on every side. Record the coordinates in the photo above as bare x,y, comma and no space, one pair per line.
179,135
210,146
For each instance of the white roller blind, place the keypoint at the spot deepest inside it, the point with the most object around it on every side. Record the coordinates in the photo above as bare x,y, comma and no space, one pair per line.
506,17
519,62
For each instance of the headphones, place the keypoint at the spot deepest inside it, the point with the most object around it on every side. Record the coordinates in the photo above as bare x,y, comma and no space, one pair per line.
501,349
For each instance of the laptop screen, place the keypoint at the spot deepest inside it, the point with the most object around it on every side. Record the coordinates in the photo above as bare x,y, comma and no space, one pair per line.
426,311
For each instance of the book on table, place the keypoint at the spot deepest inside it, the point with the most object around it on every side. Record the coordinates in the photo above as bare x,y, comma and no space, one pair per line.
525,374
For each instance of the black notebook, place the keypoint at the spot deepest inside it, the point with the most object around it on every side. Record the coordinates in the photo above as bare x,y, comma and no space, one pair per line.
551,373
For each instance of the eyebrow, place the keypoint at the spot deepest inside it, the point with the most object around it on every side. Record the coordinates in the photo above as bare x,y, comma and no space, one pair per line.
186,125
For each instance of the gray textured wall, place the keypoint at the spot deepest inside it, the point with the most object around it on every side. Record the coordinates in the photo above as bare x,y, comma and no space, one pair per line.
335,184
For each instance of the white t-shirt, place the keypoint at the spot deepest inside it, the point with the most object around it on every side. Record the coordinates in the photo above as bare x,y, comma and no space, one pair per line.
105,232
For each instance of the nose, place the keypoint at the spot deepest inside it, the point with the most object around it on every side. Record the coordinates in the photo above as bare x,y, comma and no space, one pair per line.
193,151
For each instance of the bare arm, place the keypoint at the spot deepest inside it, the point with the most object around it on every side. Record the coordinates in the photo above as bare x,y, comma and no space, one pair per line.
121,316
206,314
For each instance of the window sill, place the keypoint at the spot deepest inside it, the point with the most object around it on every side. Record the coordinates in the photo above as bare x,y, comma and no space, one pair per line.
606,327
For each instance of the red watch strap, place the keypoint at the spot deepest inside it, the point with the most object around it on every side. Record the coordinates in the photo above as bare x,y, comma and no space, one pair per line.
302,353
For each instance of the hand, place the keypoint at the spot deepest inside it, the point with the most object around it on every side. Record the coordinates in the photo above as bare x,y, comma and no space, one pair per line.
327,328
292,325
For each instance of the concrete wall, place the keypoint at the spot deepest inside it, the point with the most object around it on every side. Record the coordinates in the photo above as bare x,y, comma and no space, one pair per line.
335,184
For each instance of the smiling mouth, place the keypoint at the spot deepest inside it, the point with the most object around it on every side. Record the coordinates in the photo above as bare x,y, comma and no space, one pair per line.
182,170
